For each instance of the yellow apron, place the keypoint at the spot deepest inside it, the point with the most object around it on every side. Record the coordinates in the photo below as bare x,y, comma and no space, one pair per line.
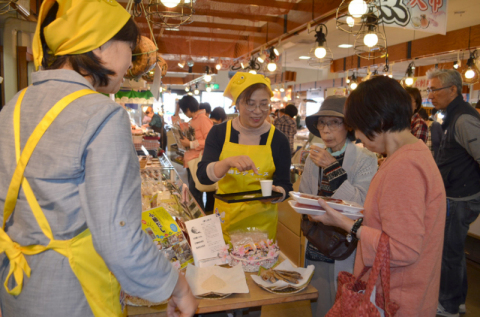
253,214
100,287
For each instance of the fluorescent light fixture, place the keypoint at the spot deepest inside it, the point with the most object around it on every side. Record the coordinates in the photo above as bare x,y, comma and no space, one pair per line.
304,57
345,45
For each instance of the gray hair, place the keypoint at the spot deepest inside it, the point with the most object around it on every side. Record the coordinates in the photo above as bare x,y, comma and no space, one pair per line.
448,77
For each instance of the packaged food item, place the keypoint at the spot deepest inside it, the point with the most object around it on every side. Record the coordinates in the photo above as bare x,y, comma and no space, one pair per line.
167,236
251,249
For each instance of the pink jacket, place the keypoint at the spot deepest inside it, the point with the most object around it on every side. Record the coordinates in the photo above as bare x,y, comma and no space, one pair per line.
407,200
202,125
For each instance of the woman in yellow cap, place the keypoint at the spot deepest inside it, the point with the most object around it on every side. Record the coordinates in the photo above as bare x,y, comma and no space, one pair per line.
71,235
241,152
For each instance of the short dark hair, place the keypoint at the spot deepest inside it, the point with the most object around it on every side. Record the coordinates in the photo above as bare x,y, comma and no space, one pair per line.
281,110
247,93
188,102
218,114
415,93
206,106
378,105
86,64
291,110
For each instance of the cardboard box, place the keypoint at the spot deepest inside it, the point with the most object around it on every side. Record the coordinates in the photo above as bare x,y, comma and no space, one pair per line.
290,244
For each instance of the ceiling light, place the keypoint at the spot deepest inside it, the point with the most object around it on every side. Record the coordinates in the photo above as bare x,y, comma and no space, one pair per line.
455,64
321,39
282,89
170,3
196,92
207,76
345,45
190,94
304,57
181,64
357,8
272,66
350,22
370,39
261,58
252,71
471,73
218,66
208,88
187,89
353,82
409,74
276,51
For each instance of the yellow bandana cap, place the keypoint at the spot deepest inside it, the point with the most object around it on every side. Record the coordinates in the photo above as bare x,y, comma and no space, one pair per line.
241,81
80,26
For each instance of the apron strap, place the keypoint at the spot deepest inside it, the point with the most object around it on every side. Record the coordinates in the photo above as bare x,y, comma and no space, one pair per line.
17,179
229,132
270,135
14,251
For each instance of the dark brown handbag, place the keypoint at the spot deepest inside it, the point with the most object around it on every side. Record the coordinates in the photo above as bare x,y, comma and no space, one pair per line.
330,241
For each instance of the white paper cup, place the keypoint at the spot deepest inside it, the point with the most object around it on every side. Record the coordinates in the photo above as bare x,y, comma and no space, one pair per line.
320,145
266,187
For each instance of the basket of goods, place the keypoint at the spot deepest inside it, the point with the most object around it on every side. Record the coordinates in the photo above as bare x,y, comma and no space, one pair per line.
145,57
251,250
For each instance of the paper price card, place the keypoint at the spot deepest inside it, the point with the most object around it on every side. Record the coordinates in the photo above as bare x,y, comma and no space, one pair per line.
167,236
207,240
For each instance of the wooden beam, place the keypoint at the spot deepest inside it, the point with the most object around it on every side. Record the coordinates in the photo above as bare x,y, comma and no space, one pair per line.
210,35
226,14
202,48
424,47
214,26
263,3
198,68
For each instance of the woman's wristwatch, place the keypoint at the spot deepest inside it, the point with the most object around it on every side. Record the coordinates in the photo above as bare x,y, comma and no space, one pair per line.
353,232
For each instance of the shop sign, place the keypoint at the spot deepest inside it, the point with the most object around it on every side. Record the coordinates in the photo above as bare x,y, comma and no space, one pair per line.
423,15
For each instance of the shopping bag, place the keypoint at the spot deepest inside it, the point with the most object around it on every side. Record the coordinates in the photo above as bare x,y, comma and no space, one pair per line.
193,166
353,294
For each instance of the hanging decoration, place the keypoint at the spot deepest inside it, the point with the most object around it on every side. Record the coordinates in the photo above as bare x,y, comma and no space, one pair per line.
144,58
349,15
370,41
179,13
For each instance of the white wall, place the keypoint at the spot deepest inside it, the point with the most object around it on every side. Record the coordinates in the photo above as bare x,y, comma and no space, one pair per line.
15,33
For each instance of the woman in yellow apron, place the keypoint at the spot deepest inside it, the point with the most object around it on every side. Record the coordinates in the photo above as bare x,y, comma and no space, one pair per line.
241,152
71,233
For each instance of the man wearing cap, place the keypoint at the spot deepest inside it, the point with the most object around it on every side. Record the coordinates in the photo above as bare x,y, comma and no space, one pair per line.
287,124
241,152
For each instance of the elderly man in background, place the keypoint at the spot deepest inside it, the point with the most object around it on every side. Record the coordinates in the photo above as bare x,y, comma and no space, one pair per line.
458,159
287,124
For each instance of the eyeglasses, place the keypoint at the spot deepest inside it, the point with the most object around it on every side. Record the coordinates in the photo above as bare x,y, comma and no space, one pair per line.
263,106
332,125
429,90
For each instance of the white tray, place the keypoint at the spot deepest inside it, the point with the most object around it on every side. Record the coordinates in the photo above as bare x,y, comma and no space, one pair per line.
315,211
338,204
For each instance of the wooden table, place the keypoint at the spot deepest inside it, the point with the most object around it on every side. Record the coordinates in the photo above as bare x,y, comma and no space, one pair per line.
236,302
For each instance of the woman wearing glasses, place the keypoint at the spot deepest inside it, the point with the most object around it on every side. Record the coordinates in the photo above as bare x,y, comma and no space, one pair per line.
342,171
241,152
